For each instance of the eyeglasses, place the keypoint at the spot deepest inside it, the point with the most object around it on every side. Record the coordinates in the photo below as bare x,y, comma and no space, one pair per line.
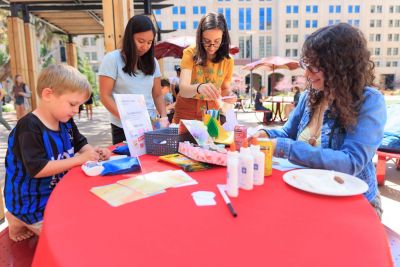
209,44
306,66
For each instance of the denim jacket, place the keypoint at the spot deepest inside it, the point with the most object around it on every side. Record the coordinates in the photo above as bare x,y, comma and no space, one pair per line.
344,151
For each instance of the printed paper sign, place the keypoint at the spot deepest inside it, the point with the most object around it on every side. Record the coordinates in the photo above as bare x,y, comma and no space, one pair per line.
135,121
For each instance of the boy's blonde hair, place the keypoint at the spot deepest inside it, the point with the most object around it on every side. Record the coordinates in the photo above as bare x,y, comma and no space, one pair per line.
61,79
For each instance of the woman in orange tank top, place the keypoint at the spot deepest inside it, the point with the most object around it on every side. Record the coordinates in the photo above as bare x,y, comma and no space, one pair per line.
206,70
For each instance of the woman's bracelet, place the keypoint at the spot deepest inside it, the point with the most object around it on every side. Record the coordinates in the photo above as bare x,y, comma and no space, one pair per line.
198,87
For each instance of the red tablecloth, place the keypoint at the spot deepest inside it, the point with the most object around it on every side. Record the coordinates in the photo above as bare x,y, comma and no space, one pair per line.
277,225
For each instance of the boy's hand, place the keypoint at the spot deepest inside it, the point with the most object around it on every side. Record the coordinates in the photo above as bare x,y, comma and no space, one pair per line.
103,153
89,154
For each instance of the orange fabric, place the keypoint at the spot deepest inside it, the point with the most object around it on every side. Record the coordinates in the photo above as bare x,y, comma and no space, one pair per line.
277,225
215,73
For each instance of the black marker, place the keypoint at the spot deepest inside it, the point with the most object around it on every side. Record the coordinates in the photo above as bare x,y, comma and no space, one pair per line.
221,189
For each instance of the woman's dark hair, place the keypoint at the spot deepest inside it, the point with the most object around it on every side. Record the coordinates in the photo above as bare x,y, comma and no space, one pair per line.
340,52
165,82
209,22
145,63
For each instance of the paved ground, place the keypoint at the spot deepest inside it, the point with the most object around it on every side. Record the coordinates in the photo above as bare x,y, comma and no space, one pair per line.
98,133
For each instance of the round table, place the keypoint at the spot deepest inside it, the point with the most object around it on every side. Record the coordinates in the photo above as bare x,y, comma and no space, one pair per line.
277,225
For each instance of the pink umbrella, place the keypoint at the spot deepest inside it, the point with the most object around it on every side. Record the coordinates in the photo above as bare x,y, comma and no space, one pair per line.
174,47
271,64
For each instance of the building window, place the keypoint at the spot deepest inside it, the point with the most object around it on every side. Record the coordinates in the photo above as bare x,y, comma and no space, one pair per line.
357,23
377,51
296,9
94,56
159,24
261,47
315,24
356,9
85,41
287,52
295,38
195,10
241,47
294,52
338,9
262,18
241,19
378,38
288,9
195,24
183,10
307,23
183,25
395,51
245,47
331,9
227,15
203,10
248,18
396,37
288,24
288,37
330,22
350,9
175,25
315,9
175,10
269,18
388,63
390,37
389,51
157,11
394,63
249,47
268,49
308,9
295,23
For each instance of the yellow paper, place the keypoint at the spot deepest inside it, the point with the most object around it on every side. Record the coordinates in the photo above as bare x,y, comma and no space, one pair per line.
174,178
116,194
143,184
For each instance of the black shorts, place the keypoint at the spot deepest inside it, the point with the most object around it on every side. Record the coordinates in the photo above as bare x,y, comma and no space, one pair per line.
19,100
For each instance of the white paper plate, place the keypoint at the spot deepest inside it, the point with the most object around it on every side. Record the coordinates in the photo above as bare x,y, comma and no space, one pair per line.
323,182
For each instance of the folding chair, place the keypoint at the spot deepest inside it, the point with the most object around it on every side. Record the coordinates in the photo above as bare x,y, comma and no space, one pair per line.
383,157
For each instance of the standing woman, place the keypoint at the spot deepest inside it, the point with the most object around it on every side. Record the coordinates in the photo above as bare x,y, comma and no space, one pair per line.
132,70
206,70
20,91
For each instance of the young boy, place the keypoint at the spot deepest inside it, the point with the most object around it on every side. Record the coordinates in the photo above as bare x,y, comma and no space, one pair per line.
41,149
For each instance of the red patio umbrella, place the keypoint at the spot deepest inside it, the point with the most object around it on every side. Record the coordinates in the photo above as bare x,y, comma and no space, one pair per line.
174,47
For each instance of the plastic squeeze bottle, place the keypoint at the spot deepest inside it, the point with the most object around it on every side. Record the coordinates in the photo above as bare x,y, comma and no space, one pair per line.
259,161
232,182
246,168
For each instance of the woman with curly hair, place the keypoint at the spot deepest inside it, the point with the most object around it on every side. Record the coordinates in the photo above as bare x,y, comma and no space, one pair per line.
339,120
